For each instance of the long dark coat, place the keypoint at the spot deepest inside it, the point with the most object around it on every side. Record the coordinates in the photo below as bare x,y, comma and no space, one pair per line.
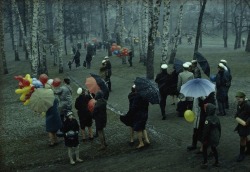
243,112
100,114
212,128
139,109
163,79
221,81
128,118
69,125
85,117
53,120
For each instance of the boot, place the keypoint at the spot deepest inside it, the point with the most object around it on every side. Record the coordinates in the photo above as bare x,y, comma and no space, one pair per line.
241,157
247,152
72,162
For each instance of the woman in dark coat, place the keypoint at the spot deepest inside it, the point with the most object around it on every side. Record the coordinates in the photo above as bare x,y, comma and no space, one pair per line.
211,134
53,122
139,109
88,60
77,58
128,118
71,130
243,112
85,117
100,117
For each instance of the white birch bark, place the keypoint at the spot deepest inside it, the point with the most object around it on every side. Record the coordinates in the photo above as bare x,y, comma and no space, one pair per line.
2,51
59,29
122,29
165,33
140,14
34,41
145,26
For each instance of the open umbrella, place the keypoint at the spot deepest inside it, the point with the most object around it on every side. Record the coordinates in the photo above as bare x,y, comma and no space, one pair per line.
178,65
147,89
102,85
197,88
203,63
42,99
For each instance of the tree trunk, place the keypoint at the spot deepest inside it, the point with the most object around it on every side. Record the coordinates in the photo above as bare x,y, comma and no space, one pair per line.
145,24
154,13
177,36
165,33
240,24
60,34
199,25
14,30
225,28
2,51
248,40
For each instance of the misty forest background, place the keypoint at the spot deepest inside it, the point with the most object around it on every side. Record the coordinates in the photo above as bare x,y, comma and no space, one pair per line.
39,26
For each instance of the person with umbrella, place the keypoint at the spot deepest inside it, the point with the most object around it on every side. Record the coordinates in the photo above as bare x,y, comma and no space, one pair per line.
85,117
228,84
195,69
184,77
100,116
163,79
243,129
221,94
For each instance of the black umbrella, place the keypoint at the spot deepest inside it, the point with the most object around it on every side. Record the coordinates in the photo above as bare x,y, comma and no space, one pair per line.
147,89
178,65
203,63
102,84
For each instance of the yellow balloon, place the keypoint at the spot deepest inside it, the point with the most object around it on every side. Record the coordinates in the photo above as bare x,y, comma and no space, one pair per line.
189,115
27,76
22,98
26,102
19,91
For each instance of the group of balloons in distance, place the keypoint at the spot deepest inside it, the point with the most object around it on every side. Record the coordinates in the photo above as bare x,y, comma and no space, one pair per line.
118,50
28,85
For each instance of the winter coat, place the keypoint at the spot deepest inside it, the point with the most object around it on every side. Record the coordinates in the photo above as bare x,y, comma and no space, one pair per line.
221,81
197,72
77,57
212,128
139,109
65,96
243,112
173,84
81,105
184,77
163,80
88,57
102,73
108,69
128,118
71,126
100,114
53,120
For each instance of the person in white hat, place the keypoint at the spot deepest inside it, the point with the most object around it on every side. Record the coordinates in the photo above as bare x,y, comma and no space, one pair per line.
163,80
184,77
85,117
221,89
108,72
195,69
227,71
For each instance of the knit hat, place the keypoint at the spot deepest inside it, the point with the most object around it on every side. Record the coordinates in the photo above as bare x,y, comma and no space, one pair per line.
185,65
223,61
221,65
164,66
103,61
240,94
106,57
189,63
194,61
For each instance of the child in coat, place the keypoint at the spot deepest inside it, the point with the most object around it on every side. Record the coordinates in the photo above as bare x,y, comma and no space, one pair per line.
71,130
211,134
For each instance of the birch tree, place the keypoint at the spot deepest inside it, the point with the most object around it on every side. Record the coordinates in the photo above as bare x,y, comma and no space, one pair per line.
145,23
59,30
225,28
176,35
165,33
2,51
140,29
154,13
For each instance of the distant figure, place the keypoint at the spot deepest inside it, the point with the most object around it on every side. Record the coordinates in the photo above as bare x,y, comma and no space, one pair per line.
76,58
130,57
79,45
189,39
243,40
70,64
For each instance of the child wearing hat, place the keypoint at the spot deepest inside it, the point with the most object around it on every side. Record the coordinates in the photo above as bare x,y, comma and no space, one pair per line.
71,130
243,111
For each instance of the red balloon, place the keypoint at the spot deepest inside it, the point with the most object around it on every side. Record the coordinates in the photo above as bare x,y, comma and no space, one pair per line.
20,84
56,82
25,82
43,78
91,105
19,78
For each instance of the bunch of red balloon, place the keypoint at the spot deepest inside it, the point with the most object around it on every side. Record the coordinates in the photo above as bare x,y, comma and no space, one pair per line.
118,51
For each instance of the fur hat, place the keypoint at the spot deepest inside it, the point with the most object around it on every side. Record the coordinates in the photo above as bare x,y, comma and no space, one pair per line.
79,91
240,94
164,66
185,65
106,57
